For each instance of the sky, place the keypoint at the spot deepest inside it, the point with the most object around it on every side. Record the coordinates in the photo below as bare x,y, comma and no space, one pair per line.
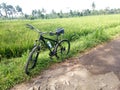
64,5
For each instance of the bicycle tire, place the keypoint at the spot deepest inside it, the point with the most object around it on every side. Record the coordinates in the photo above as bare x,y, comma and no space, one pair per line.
62,49
32,59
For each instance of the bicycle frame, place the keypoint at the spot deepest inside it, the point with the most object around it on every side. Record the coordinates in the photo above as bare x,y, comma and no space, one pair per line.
43,39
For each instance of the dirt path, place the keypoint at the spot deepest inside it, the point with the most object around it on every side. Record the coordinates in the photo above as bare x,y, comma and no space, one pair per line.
98,69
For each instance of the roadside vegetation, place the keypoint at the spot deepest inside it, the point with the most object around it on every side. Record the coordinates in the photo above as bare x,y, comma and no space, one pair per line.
16,40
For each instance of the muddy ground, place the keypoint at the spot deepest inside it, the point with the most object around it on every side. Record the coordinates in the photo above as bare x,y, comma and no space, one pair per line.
97,69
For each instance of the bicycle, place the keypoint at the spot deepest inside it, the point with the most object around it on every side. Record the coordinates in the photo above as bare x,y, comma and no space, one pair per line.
59,48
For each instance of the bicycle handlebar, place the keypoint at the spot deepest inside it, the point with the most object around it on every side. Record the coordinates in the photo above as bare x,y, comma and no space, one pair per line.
33,28
58,32
29,26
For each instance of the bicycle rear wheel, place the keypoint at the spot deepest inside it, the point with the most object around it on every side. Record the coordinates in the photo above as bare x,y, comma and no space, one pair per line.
32,59
62,49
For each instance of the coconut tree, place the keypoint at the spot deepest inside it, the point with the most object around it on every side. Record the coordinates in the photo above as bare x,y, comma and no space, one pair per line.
4,8
93,6
19,9
10,10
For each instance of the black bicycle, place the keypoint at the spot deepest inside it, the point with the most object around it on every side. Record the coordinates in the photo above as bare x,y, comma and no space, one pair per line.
57,47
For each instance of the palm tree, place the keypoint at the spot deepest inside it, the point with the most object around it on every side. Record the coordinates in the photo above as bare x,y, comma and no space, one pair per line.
10,10
0,14
0,11
4,7
93,6
43,11
34,14
19,9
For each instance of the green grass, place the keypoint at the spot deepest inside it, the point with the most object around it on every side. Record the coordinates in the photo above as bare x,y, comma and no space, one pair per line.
16,39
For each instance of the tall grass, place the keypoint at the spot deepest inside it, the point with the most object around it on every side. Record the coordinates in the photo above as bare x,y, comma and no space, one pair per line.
16,38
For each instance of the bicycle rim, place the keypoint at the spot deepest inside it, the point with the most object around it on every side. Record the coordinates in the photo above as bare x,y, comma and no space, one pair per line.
63,49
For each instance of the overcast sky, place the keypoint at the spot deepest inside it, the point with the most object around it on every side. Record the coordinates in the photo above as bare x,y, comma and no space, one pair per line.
64,5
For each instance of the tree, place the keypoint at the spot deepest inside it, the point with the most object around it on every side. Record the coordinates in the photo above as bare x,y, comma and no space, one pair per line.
19,9
86,12
0,11
10,10
26,16
39,13
34,13
43,11
71,13
0,14
93,6
60,15
78,13
4,8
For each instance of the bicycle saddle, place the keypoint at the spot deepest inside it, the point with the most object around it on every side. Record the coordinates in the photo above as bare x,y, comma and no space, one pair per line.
60,31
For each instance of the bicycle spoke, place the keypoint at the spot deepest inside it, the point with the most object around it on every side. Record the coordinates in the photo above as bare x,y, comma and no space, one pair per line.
63,49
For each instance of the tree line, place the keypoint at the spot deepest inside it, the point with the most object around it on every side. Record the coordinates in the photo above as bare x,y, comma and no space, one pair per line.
11,12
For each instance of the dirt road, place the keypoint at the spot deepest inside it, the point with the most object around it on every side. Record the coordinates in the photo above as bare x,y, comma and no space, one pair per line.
97,69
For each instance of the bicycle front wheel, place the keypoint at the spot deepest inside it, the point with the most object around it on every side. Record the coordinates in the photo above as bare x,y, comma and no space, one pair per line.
62,49
32,59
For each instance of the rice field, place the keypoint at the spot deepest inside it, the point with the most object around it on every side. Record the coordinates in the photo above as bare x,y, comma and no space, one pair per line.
16,40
